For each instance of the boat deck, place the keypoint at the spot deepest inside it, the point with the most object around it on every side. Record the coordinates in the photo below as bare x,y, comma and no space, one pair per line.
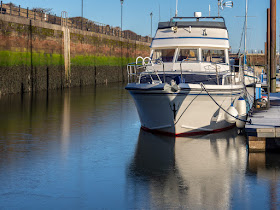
265,125
264,83
266,119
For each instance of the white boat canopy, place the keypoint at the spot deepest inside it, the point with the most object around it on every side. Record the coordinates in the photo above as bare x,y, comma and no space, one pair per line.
198,33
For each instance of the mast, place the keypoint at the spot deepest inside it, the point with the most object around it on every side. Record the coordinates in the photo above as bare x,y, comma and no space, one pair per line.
245,33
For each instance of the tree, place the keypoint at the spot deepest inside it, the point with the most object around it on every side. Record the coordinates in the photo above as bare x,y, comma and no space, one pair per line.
41,10
11,4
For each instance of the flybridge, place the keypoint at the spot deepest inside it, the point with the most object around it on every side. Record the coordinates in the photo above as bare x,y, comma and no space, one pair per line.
196,22
198,32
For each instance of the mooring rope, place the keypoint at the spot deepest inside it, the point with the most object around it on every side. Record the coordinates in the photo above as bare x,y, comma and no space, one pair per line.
247,121
249,96
187,107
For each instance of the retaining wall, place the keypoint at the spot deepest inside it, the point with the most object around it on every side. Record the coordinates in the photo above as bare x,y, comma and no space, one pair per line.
32,57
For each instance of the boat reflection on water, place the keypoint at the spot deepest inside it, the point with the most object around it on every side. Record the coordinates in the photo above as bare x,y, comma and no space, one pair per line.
193,172
209,166
265,167
154,154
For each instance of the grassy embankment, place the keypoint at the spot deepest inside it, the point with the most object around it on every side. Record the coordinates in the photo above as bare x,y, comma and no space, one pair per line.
14,58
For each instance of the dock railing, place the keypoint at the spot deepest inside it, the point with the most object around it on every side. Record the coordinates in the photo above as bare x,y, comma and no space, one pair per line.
75,22
134,70
141,67
145,67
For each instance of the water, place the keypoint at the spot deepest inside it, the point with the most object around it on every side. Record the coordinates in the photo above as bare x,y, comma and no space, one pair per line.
83,149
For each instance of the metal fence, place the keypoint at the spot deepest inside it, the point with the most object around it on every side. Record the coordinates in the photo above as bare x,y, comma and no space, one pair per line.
76,22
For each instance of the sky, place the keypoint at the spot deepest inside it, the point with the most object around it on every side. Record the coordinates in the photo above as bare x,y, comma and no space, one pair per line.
136,15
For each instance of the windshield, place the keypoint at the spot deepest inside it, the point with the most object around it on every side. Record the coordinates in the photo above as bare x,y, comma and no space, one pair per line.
187,55
165,55
215,56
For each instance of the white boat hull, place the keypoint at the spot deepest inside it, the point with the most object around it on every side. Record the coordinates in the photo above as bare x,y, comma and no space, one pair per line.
189,111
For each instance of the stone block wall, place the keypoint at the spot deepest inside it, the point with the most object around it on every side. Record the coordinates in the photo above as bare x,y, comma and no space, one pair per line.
32,56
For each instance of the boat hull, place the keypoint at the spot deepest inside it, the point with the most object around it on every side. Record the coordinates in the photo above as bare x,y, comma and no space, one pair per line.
188,111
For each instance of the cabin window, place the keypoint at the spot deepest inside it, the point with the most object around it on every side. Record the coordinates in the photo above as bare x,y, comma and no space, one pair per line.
215,56
187,55
165,55
207,79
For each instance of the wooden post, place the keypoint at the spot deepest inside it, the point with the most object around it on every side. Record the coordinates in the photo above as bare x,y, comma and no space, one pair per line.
268,57
257,144
66,42
265,56
273,46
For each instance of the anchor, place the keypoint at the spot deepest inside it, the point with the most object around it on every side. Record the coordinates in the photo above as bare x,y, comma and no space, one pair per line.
174,110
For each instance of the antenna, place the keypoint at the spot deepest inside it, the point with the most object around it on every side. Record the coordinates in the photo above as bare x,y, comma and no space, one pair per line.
158,12
176,12
209,10
170,11
222,5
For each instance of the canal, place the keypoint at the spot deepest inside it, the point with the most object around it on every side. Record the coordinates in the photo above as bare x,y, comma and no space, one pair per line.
83,149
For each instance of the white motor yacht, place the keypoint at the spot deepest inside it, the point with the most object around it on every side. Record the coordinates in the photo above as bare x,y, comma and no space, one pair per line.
186,86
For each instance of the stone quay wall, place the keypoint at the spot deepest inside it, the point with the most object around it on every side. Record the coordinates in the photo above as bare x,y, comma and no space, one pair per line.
32,56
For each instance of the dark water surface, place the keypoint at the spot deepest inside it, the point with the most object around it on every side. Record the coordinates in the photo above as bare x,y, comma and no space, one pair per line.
83,149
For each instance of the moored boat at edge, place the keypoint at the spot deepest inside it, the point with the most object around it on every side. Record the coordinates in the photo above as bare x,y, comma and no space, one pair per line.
186,86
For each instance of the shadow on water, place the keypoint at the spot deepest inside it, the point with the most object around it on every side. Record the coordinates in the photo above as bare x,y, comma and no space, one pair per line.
205,172
154,155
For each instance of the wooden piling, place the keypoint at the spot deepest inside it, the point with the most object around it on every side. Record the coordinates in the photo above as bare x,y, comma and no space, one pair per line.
257,144
272,46
268,56
264,132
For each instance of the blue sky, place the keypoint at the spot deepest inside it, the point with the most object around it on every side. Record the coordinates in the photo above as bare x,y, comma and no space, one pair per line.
136,14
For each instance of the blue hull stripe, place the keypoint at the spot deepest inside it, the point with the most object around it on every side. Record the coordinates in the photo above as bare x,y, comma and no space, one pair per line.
187,37
193,94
